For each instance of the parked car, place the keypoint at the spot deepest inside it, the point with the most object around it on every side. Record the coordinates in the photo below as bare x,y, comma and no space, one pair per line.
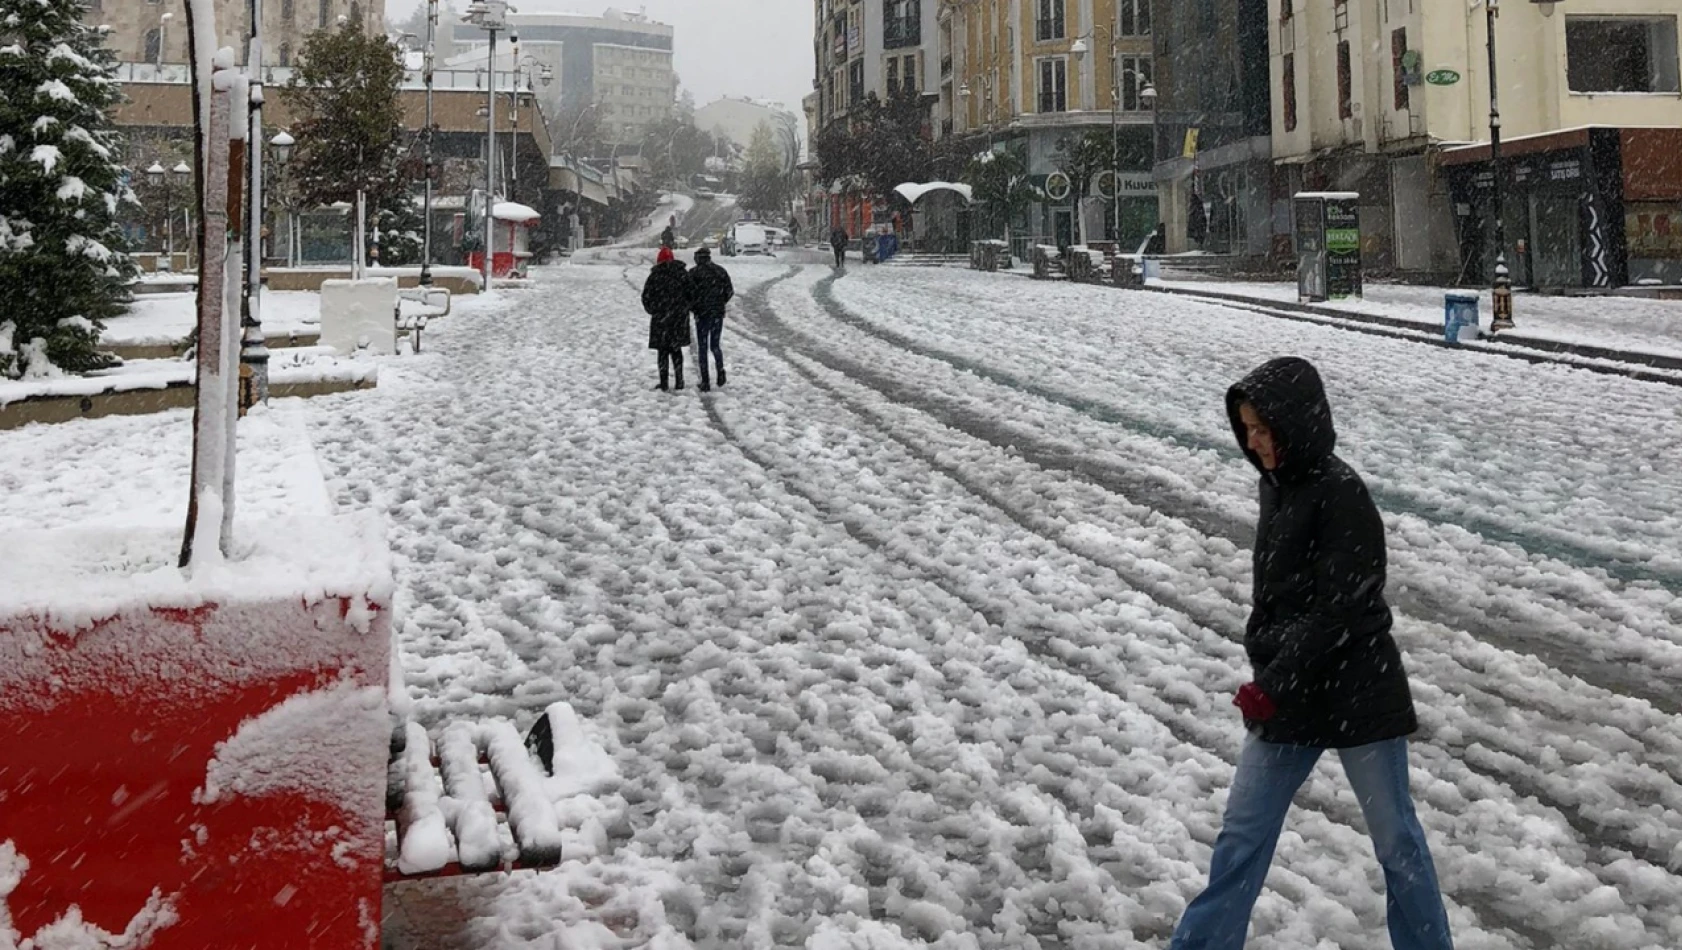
778,237
705,194
748,238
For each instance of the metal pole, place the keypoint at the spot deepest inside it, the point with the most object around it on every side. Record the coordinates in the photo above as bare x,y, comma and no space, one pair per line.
426,65
490,156
253,353
1503,289
1115,150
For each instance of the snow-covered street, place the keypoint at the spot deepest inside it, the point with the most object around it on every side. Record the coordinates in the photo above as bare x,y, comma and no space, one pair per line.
923,629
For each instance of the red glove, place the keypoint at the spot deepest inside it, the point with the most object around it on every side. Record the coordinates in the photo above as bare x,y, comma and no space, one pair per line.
1255,704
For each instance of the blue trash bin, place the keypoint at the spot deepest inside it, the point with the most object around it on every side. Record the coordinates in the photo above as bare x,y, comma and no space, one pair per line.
1460,317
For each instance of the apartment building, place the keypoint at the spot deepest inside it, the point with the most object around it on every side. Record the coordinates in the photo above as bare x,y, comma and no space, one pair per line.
620,62
1391,99
871,47
154,32
1035,75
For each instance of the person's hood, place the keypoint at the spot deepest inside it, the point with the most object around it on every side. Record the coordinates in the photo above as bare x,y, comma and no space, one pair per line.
1289,396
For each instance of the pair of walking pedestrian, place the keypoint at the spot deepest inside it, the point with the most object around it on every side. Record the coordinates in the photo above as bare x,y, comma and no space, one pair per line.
670,295
1328,673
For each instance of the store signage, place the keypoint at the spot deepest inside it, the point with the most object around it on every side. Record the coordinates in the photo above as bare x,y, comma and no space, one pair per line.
1132,184
1343,249
1442,77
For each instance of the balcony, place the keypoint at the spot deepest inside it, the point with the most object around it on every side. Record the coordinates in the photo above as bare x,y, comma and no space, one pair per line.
901,32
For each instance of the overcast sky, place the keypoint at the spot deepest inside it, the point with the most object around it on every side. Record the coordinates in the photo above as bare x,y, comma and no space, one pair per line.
756,48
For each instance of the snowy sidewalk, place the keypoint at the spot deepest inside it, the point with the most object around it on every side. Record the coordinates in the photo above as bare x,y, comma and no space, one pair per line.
1622,324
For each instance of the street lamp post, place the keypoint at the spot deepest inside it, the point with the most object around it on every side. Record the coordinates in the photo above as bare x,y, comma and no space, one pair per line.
490,16
427,70
158,178
282,144
1502,293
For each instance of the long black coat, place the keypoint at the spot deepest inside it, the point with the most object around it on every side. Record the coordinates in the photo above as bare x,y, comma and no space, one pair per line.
1319,633
665,295
710,290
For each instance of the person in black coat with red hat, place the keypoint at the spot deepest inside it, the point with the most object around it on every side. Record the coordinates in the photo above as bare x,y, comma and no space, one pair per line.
1328,673
665,295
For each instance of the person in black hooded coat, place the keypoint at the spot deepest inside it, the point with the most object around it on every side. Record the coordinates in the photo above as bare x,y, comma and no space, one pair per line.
665,296
1328,673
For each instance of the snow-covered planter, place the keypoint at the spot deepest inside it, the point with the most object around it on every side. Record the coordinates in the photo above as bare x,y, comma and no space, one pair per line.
194,761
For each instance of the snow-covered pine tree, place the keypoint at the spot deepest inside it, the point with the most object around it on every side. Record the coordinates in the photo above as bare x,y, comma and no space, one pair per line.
64,263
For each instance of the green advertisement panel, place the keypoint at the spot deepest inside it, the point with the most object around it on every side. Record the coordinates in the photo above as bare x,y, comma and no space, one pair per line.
1343,248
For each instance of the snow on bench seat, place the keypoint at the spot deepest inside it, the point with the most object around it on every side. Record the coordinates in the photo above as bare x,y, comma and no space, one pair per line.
478,801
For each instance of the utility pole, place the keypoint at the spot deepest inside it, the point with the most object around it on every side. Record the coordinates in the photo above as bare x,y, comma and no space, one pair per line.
426,69
1503,289
253,350
490,16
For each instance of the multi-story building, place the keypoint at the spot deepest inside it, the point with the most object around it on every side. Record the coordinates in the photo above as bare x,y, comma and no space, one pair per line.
868,48
620,63
737,119
1213,118
1037,75
1590,103
153,31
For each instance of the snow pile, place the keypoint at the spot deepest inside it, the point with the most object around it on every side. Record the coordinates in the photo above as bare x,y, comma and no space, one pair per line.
316,744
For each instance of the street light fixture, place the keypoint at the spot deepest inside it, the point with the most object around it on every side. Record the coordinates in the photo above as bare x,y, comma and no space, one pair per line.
157,176
1502,292
492,17
282,145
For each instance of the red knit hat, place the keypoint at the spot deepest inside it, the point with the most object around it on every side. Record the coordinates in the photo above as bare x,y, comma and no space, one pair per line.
665,255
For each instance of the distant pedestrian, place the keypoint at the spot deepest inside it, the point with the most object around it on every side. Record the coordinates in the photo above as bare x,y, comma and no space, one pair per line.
665,296
668,237
1328,674
794,231
838,240
710,292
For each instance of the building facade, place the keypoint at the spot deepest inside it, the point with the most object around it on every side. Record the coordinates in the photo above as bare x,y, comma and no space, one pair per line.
619,63
1037,76
1379,97
1212,133
154,32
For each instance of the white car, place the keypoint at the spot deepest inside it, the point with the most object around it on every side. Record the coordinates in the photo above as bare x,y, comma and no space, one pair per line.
751,239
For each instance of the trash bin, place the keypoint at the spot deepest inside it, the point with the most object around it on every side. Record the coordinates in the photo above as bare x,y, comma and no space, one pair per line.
1460,318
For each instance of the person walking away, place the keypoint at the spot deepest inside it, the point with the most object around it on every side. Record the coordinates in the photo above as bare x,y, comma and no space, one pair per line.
838,242
668,238
710,291
665,295
794,230
1328,673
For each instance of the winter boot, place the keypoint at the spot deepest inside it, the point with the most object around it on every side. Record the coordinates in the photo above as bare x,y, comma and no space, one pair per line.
677,370
721,374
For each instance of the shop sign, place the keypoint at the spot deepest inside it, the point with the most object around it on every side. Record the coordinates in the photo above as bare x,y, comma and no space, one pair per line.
1654,231
1343,249
1131,184
1442,77
1565,169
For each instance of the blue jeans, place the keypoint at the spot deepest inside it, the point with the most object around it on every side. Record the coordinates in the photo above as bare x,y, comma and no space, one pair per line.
1268,778
708,333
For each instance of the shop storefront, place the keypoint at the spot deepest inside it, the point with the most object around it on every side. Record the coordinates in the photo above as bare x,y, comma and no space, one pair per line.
1585,208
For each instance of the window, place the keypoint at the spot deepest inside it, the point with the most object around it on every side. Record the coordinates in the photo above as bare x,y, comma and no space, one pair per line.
1135,18
324,12
1284,10
286,54
1134,74
902,23
1345,83
911,72
1399,67
1621,54
855,82
355,10
1289,92
154,47
288,10
1051,25
1054,85
893,75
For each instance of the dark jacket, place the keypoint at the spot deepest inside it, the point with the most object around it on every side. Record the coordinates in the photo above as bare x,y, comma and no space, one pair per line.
666,298
1319,632
838,239
709,290
668,238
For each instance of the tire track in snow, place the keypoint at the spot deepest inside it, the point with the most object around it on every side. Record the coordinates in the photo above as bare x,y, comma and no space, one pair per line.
1579,659
1390,498
1594,832
1050,649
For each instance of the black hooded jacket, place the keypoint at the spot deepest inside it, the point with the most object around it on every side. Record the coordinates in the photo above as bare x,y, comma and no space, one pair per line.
665,295
1319,632
709,288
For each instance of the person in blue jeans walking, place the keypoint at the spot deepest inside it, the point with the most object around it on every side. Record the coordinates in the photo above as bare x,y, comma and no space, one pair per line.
710,291
1328,673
